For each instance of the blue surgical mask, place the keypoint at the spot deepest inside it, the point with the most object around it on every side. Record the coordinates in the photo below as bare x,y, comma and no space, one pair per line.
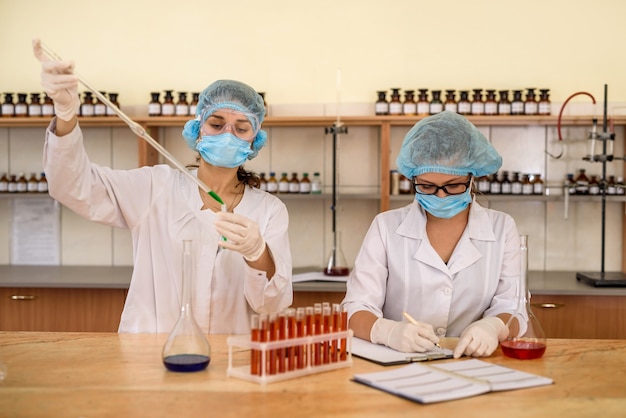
444,207
224,150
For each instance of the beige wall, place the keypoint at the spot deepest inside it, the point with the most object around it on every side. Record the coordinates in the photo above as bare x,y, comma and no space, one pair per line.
292,49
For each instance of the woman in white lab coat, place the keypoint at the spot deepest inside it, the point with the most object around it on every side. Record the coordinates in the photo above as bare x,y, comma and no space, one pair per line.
249,271
451,264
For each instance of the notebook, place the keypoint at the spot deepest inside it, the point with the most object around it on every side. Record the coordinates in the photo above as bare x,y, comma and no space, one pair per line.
386,356
459,379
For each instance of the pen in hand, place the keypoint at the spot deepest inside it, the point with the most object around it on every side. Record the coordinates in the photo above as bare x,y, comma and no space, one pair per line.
414,322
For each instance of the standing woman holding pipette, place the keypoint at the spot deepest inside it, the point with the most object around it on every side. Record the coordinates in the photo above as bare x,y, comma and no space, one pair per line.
242,253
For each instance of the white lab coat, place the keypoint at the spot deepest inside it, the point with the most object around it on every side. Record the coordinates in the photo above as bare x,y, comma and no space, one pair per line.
398,270
161,207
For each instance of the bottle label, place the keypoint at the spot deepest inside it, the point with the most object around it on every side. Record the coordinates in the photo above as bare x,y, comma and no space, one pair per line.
316,187
527,188
478,108
86,110
516,188
42,187
32,186
154,109
192,110
395,108
12,187
495,187
4,186
507,188
21,109
530,108
544,108
484,186
382,108
47,110
517,108
436,108
100,110
409,108
538,188
167,109
34,110
272,186
22,187
491,108
283,187
294,187
182,110
594,189
423,108
504,108
465,107
305,187
611,189
8,109
452,107
263,186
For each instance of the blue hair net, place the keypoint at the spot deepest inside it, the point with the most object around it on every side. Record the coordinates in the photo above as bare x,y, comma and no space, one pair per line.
228,94
447,143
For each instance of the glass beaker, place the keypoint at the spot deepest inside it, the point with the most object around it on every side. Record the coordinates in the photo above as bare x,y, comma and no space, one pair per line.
526,338
187,348
337,265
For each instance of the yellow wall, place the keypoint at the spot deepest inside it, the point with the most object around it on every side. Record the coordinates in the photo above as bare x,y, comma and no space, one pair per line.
292,49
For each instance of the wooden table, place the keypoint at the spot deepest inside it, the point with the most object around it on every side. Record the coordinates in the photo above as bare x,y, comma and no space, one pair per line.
98,375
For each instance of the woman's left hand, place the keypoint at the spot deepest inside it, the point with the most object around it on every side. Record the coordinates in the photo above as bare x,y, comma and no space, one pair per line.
242,235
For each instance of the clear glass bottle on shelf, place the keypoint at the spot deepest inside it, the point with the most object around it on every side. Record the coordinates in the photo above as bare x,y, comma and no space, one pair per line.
316,184
187,348
526,339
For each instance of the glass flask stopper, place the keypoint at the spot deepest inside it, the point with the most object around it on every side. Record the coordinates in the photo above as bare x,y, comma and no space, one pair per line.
337,265
187,348
526,338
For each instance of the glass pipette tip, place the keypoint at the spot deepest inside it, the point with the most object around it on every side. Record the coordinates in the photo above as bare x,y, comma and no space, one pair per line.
138,129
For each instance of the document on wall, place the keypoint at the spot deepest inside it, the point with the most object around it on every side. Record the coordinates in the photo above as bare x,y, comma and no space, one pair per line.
386,356
448,381
35,231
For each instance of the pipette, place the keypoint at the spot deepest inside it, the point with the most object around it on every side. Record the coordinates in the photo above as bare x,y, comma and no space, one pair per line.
139,131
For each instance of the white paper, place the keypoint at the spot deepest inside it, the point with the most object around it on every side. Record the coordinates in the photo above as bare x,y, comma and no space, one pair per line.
35,231
384,355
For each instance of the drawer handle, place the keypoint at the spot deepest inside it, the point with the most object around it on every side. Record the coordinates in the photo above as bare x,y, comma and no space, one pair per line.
548,305
23,297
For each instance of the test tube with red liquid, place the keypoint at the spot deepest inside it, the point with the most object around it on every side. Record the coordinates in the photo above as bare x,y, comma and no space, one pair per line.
255,335
292,333
327,325
300,332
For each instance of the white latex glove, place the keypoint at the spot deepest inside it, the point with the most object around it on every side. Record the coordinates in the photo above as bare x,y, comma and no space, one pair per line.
481,338
242,235
59,82
404,336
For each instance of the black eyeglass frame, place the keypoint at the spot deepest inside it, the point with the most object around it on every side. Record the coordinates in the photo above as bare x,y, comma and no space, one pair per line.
437,188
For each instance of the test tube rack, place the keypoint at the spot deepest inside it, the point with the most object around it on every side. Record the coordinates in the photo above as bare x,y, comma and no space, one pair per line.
317,350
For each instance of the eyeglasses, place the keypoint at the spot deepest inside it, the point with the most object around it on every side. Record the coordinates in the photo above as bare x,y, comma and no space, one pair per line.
241,128
449,189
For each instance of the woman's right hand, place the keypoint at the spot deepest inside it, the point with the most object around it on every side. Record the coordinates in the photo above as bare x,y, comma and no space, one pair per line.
404,336
59,82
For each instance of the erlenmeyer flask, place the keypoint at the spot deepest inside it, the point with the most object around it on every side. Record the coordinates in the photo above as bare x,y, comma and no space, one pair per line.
187,348
337,265
526,338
